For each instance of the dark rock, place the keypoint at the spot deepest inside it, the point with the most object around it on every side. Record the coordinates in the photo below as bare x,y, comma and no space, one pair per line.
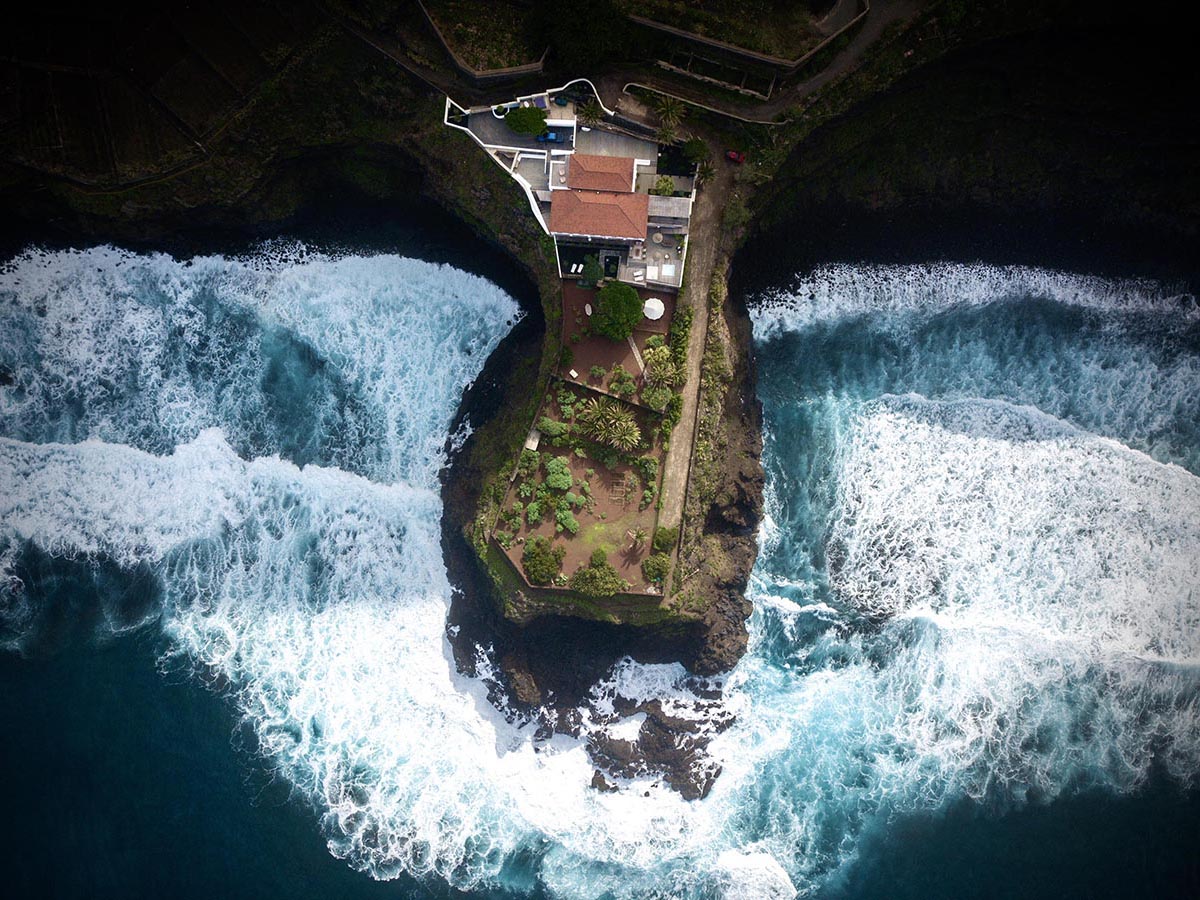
600,783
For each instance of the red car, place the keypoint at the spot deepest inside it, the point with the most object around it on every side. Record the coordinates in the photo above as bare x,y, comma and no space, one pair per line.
736,156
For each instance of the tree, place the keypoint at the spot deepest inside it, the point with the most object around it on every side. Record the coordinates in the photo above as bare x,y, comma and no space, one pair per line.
705,172
618,311
639,536
558,473
696,150
526,119
665,135
592,271
657,396
664,186
665,538
670,111
591,114
626,436
609,422
542,559
655,567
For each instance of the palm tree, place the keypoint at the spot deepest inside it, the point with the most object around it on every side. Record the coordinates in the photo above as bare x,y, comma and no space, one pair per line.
705,172
610,423
660,366
591,113
626,435
670,111
665,135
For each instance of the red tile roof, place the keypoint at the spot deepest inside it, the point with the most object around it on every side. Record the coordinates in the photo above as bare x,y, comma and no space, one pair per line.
599,213
600,173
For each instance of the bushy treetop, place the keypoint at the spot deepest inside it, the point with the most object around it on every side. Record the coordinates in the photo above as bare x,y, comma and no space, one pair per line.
526,119
618,311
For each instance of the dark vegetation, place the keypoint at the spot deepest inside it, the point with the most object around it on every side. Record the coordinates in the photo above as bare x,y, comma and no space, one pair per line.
526,120
618,311
542,559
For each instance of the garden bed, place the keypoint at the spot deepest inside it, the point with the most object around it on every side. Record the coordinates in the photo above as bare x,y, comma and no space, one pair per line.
588,497
611,367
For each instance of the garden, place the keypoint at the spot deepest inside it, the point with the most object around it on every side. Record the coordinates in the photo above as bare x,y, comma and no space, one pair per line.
597,349
586,501
581,510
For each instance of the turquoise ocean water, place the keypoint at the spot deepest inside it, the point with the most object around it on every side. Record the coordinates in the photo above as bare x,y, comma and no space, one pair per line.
973,663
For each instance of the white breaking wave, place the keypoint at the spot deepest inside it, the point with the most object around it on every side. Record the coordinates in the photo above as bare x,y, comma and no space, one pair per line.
149,350
1047,530
320,598
836,292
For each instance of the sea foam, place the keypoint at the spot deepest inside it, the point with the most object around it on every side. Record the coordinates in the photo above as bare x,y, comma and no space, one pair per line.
834,292
977,597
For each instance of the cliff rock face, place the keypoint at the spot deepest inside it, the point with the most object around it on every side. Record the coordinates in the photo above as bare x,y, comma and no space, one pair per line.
724,505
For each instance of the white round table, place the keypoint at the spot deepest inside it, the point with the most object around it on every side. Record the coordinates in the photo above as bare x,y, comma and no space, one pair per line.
653,309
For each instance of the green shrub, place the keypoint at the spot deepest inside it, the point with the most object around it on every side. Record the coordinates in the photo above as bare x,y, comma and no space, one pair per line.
680,332
655,567
533,512
566,356
552,428
558,473
526,119
655,340
647,497
504,538
525,490
542,559
660,366
664,186
648,466
674,410
592,271
665,539
696,150
565,519
622,383
598,372
657,396
598,578
529,463
618,310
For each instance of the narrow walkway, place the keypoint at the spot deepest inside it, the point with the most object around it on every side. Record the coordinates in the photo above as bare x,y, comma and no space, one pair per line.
702,253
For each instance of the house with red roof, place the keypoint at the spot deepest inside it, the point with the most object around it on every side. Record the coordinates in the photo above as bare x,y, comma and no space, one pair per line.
597,190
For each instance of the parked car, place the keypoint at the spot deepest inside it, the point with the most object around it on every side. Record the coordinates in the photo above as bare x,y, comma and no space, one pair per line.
736,156
551,137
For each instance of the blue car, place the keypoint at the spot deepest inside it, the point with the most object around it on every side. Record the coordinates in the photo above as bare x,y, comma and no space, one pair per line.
551,137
